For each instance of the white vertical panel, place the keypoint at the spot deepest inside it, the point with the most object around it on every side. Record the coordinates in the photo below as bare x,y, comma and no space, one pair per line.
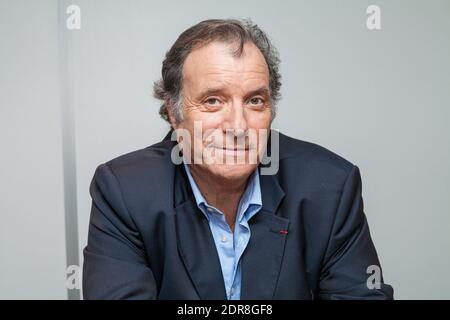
32,238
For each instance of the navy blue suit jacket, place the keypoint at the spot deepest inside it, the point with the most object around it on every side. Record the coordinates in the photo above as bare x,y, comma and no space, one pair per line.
148,240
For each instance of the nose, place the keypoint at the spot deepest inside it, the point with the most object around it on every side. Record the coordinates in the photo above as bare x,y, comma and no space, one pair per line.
235,119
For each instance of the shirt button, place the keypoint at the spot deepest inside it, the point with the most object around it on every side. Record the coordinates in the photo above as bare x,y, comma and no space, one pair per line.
224,239
210,209
232,291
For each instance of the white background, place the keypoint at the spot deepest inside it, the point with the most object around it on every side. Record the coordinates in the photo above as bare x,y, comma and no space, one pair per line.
378,98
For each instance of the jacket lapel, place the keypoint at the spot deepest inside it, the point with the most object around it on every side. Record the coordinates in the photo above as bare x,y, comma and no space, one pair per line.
195,242
261,261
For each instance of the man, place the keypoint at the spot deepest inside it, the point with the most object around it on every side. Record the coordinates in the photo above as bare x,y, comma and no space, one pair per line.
177,220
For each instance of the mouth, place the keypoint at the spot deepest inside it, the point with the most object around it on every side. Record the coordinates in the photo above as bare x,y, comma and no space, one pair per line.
233,149
244,155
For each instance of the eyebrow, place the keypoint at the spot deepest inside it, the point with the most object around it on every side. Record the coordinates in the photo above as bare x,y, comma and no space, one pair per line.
220,90
211,92
263,91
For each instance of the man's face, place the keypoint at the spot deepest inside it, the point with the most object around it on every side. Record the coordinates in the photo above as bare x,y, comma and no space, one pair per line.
229,97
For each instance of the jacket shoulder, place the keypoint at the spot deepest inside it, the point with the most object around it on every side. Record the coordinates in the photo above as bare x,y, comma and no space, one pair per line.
314,161
150,156
144,176
295,148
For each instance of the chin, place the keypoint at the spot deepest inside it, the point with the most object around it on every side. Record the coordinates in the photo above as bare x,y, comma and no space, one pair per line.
231,171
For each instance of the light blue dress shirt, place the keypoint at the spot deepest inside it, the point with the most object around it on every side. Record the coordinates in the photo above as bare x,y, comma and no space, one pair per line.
230,246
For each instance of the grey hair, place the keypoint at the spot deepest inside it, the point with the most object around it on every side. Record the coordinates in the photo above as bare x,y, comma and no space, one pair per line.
169,88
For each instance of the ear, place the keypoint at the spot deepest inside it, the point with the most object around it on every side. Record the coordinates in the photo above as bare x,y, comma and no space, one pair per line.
172,119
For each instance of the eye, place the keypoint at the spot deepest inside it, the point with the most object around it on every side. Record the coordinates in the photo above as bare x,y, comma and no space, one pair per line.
212,101
256,101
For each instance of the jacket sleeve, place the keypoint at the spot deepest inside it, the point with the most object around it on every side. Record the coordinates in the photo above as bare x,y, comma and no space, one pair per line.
351,269
115,265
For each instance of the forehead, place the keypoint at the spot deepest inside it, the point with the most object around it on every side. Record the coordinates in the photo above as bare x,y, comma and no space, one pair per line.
214,64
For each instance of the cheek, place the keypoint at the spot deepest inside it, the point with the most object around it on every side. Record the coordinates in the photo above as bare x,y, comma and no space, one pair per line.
210,121
261,125
260,120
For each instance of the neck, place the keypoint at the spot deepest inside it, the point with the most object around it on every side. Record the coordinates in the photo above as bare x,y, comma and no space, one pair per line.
221,193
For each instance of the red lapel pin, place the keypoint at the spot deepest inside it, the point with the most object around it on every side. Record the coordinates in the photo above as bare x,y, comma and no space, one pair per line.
283,232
